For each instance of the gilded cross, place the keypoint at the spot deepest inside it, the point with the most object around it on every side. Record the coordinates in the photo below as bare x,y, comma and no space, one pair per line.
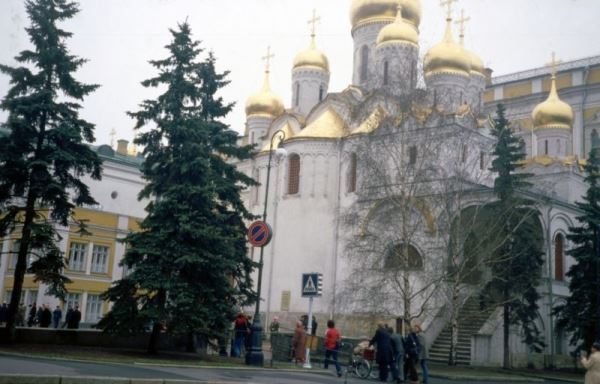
268,58
552,65
462,21
313,21
448,4
112,135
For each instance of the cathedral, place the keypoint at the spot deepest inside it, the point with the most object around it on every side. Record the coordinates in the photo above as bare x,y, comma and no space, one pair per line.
357,174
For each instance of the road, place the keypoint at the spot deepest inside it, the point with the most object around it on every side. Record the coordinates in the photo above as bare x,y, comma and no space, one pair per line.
40,366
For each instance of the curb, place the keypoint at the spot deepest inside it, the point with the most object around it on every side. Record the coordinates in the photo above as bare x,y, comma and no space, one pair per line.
508,379
39,379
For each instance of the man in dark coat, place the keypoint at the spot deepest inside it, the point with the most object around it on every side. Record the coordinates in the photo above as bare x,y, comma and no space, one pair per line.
46,317
74,319
398,346
385,353
56,316
3,313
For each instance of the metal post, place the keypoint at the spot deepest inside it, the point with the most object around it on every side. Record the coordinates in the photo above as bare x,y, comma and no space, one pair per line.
255,354
309,330
597,285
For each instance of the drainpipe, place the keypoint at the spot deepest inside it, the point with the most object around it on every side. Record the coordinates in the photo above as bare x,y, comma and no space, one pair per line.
550,293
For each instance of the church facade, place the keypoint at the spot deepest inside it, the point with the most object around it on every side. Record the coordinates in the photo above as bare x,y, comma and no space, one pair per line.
368,172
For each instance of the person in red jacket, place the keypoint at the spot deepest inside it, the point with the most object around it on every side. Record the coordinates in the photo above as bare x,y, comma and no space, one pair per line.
333,339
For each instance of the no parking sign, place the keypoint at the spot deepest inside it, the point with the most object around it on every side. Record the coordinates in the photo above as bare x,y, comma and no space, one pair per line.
259,233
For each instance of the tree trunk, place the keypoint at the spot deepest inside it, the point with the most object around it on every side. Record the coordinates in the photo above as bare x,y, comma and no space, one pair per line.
153,345
506,328
20,269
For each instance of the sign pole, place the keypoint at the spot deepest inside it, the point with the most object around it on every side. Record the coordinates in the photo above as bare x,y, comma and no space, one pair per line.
309,331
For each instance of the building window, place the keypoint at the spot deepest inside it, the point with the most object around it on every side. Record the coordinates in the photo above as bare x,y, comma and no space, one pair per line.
72,300
99,259
559,259
256,189
412,155
252,137
294,175
352,173
93,309
31,297
481,160
545,147
364,63
15,256
297,94
77,256
465,153
403,257
385,73
321,93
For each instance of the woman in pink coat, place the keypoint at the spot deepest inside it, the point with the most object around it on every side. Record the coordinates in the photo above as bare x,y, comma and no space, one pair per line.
592,364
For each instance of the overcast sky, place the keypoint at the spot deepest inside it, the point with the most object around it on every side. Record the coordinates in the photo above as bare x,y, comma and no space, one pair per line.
120,36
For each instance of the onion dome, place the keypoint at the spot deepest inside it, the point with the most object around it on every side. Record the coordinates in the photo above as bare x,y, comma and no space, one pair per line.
447,56
311,58
265,102
364,11
477,65
398,32
553,113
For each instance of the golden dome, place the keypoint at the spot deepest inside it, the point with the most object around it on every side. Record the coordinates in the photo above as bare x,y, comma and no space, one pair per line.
312,58
398,32
477,65
553,113
447,56
265,102
363,11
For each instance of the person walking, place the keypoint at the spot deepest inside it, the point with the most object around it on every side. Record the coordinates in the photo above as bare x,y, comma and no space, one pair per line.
56,316
46,317
423,353
299,343
74,319
38,316
398,346
411,348
240,330
333,339
385,353
592,365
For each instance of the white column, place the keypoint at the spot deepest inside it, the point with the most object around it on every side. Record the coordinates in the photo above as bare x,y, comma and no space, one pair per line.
88,258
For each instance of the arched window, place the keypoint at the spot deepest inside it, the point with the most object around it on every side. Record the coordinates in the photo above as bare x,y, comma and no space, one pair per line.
321,92
412,155
294,174
481,160
404,257
385,72
559,259
297,98
465,153
352,173
545,147
364,63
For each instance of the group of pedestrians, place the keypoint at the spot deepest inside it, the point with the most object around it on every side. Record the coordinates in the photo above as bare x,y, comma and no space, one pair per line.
401,356
41,316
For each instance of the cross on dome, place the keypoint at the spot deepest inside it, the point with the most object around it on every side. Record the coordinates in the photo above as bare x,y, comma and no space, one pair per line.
448,4
112,135
553,64
314,21
461,22
267,59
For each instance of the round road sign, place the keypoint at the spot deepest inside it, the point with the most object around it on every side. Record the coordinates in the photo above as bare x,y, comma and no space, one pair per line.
259,233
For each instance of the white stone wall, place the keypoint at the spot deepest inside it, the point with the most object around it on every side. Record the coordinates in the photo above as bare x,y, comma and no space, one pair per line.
307,85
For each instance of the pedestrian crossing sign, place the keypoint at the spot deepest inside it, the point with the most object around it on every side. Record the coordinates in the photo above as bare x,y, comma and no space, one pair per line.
312,284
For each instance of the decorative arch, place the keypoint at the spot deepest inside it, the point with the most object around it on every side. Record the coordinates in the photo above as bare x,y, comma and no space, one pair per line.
420,205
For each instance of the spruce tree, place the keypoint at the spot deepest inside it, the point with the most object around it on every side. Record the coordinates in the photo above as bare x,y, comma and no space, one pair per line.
579,314
517,258
44,156
189,261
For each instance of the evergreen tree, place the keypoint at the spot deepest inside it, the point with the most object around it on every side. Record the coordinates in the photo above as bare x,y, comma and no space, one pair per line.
44,155
579,314
189,265
517,258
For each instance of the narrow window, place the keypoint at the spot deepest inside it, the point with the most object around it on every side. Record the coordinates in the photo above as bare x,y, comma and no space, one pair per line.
385,73
77,257
412,155
465,153
252,137
559,272
256,177
481,160
545,147
321,92
297,94
352,173
99,259
294,175
364,63
93,309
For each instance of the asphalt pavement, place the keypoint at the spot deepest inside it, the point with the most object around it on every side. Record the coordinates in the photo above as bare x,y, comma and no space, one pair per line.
50,367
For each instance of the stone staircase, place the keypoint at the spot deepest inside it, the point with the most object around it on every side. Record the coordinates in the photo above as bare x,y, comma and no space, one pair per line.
470,320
